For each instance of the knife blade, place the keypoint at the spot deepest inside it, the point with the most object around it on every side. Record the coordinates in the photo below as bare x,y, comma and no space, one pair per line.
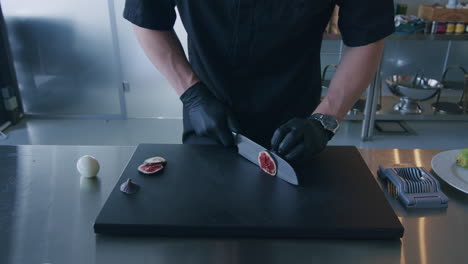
250,150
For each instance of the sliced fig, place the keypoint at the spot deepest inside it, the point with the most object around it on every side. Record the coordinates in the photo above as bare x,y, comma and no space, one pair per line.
267,163
150,168
156,160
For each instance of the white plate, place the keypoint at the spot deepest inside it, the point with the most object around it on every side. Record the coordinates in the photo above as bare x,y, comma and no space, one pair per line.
444,165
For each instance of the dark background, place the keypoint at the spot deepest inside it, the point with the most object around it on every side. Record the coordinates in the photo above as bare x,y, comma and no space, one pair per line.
3,69
7,76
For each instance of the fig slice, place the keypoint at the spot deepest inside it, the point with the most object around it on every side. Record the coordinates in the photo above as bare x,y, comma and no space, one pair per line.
129,187
156,160
150,168
267,163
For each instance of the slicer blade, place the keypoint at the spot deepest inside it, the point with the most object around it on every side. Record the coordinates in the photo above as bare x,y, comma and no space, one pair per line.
414,187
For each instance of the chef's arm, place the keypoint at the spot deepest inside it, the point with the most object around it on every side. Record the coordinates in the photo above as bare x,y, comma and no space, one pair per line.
354,73
165,51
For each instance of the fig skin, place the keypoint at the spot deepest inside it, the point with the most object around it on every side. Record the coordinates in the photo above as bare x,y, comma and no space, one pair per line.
156,160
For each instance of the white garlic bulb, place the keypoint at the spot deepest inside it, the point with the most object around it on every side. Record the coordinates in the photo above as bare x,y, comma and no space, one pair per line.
88,166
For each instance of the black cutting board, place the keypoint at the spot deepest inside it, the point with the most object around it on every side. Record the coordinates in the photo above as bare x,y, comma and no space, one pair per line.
211,191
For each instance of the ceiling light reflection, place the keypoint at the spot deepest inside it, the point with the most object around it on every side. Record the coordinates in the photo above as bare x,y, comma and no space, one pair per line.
396,156
422,240
417,158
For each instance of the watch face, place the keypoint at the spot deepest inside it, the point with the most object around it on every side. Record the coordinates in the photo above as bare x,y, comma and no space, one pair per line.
330,122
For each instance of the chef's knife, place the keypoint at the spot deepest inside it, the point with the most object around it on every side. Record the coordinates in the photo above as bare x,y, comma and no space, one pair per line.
250,150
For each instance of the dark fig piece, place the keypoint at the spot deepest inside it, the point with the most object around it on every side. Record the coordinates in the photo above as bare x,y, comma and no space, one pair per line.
129,187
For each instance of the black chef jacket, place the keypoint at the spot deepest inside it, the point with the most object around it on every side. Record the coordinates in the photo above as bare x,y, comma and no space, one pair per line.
262,57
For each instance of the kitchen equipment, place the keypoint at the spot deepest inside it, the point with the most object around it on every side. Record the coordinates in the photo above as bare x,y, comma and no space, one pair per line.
250,150
406,24
449,107
411,90
443,164
414,187
432,13
360,104
325,81
211,191
359,107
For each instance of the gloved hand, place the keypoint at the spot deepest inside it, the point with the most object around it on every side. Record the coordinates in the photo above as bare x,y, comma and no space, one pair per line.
209,116
300,139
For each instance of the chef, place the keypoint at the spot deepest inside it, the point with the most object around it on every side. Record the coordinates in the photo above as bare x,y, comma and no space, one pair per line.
254,66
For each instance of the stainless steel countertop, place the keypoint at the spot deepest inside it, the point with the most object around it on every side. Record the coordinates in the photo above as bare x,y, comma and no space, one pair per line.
412,36
47,213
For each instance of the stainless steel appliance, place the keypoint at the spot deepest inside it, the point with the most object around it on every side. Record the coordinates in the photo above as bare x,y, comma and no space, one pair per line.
451,107
411,90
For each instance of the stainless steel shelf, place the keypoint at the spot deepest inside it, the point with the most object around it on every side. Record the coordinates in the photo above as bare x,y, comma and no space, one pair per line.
354,117
414,36
422,36
387,112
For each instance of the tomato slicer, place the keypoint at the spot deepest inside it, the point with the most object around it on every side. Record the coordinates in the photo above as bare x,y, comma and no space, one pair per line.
414,187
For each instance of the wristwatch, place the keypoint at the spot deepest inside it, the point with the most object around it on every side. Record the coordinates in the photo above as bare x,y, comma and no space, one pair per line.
328,122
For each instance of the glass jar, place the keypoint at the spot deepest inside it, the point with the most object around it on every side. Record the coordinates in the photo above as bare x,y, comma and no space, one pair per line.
450,28
441,27
460,28
434,27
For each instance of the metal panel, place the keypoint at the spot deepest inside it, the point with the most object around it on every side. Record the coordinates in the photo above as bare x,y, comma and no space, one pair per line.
64,56
409,56
3,114
458,56
148,94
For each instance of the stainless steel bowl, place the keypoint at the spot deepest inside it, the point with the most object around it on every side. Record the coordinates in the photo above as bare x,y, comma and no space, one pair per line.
413,87
411,90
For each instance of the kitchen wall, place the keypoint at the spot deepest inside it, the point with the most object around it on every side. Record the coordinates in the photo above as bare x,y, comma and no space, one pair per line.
72,59
64,56
148,94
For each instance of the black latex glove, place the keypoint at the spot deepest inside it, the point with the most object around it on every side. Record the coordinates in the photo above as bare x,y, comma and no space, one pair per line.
209,116
300,139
